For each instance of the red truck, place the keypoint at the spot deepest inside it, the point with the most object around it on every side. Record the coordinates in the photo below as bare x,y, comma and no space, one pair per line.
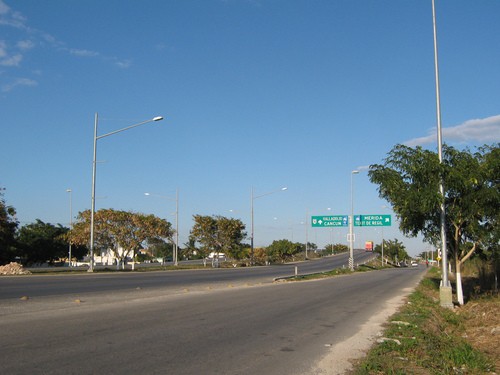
369,246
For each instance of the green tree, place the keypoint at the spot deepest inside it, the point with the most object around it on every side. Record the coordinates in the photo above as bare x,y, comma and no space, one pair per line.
409,180
311,246
218,234
159,248
41,242
242,251
122,232
8,227
281,250
336,248
190,250
393,249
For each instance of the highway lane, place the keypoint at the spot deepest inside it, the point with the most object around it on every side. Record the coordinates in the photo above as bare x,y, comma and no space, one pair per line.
272,329
37,286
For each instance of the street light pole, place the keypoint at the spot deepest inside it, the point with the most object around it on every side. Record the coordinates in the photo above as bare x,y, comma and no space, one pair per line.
445,288
351,225
383,241
176,257
252,198
91,260
382,246
251,228
92,212
70,223
307,234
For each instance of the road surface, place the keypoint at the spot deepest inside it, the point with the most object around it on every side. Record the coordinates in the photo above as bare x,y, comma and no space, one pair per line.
75,285
234,328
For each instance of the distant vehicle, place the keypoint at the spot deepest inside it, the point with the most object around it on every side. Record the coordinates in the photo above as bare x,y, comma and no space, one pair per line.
214,255
414,264
369,246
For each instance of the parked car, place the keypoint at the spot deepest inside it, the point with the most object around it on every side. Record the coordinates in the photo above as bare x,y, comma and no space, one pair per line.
414,264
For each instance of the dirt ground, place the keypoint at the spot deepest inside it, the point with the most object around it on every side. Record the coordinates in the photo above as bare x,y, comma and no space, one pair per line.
482,329
13,268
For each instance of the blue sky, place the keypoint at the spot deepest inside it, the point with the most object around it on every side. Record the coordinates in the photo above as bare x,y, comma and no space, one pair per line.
255,93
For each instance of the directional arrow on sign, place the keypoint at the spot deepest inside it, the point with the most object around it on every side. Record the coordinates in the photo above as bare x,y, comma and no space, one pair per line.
329,221
372,220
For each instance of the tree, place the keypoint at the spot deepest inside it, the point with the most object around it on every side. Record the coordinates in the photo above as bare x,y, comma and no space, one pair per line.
158,248
122,232
218,234
260,256
393,249
336,248
8,227
409,180
281,250
190,250
41,242
311,246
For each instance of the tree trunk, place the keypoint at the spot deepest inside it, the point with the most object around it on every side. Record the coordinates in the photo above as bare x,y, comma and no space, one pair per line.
460,294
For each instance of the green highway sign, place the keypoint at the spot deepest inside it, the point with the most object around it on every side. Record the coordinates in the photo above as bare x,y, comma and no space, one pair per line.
329,221
372,220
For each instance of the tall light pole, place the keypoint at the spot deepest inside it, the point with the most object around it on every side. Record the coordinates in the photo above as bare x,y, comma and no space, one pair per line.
70,223
307,232
96,137
351,225
383,241
252,198
176,245
331,231
445,292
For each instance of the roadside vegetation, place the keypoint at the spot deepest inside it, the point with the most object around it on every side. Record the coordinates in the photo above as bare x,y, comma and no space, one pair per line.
409,180
425,338
369,266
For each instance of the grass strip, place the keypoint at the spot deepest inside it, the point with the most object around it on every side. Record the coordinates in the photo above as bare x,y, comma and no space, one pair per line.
424,338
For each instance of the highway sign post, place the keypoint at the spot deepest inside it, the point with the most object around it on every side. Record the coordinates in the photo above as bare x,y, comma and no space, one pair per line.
372,220
329,221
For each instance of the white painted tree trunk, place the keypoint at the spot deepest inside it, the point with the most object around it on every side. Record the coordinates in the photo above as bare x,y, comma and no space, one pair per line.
460,294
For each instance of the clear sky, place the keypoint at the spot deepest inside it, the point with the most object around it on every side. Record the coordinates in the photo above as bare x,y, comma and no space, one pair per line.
255,93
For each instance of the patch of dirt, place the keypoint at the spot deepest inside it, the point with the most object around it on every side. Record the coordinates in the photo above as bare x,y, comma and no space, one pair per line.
13,268
482,326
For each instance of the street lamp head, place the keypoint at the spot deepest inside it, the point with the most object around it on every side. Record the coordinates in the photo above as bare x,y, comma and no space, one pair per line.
355,171
68,190
158,118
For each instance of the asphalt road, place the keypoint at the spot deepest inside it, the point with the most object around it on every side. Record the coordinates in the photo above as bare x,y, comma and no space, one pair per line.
76,285
238,328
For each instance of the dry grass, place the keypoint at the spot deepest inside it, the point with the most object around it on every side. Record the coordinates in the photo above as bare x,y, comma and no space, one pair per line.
436,340
482,326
